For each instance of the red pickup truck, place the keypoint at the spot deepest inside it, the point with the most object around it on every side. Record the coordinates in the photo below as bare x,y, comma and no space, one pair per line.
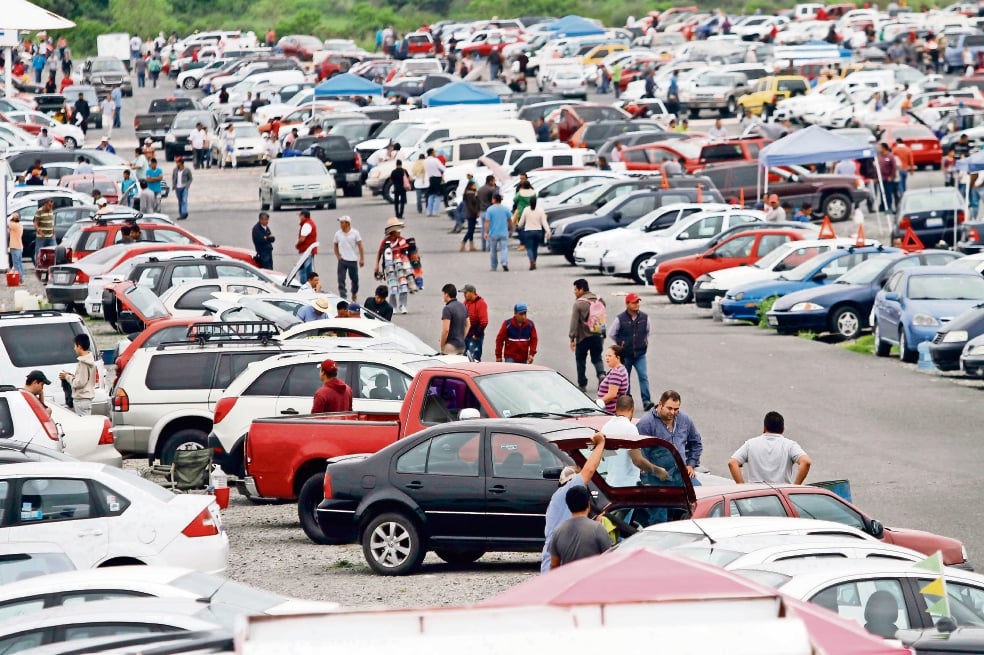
286,456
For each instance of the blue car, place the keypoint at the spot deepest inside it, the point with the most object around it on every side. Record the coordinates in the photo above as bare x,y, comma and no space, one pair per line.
915,302
742,302
843,307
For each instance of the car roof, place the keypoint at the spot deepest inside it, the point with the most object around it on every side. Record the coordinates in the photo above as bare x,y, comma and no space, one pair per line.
940,270
806,572
706,491
721,527
131,610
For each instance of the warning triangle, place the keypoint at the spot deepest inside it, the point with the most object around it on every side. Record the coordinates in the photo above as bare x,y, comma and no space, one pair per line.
911,242
664,183
826,229
860,240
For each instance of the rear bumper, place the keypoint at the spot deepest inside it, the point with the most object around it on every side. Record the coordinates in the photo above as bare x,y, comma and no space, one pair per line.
740,310
338,523
71,294
704,298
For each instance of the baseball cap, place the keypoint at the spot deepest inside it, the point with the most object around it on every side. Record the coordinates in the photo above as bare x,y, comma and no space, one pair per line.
354,307
469,287
37,376
148,140
633,297
520,308
345,219
329,366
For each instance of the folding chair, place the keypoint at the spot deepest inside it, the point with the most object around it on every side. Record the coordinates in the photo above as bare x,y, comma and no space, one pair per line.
188,470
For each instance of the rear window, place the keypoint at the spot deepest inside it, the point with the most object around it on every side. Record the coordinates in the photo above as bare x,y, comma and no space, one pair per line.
792,85
174,371
973,40
164,105
722,152
40,344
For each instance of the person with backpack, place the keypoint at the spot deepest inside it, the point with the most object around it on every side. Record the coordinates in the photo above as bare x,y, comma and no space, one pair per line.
587,331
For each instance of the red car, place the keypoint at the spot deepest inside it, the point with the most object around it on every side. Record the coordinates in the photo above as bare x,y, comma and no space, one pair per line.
333,65
807,501
302,46
109,189
420,44
697,152
676,277
925,147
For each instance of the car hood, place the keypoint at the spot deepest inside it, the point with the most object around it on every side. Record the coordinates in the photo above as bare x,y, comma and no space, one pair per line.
927,542
300,179
827,295
563,223
767,288
731,277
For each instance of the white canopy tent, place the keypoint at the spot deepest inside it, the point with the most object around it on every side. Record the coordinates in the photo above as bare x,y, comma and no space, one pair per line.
23,16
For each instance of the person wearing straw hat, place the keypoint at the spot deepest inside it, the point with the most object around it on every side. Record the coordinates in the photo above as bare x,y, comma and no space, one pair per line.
315,311
393,264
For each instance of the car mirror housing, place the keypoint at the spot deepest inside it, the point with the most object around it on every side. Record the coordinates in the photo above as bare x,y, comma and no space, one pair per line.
552,473
892,296
876,529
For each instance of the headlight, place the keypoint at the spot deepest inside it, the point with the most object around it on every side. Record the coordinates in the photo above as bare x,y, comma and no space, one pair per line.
170,138
976,351
956,336
924,320
328,185
283,188
805,307
739,296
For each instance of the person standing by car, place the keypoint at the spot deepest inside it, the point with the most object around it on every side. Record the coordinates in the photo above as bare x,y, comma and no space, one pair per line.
419,175
146,198
470,200
379,304
625,468
775,214
630,329
399,184
586,331
535,228
454,322
484,195
771,456
83,380
578,537
889,176
435,182
333,395
307,236
36,381
906,164
478,320
197,140
128,189
516,341
181,179
44,227
667,422
350,255
263,241
155,175
16,243
81,114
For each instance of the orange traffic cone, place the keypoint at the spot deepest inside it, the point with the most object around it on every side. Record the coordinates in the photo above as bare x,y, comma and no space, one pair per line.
741,197
860,240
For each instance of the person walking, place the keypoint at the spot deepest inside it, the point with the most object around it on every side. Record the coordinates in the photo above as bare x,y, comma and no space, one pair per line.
889,176
393,264
181,179
154,176
108,109
350,254
44,228
535,228
478,321
630,330
578,537
333,395
616,381
435,182
117,96
228,156
379,304
454,322
263,241
770,456
517,339
472,212
83,380
15,242
154,67
140,66
128,188
667,422
906,164
485,193
497,229
399,185
197,141
586,331
80,114
307,236
419,175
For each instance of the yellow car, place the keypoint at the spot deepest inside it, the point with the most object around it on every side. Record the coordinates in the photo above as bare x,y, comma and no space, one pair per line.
595,55
769,91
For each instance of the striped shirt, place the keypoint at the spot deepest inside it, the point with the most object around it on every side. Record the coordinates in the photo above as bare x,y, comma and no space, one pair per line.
44,220
618,377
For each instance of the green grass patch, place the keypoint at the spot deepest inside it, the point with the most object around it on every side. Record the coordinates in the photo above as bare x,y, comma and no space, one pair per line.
763,309
809,335
866,346
342,564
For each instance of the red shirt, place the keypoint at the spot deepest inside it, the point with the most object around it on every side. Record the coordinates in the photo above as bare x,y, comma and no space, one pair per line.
333,396
478,315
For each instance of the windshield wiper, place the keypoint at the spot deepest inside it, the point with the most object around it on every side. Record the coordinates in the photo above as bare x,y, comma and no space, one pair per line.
538,415
577,411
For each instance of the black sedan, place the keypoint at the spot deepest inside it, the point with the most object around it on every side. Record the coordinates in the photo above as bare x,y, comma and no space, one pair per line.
843,307
931,214
949,342
464,488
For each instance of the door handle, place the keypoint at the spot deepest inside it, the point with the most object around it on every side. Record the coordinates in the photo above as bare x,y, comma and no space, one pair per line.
416,484
289,410
497,489
95,532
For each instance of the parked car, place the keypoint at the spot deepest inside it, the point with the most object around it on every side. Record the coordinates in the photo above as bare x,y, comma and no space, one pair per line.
337,153
297,181
914,303
106,74
104,184
972,358
86,438
358,327
695,153
23,417
177,139
596,135
188,298
65,217
931,213
949,342
35,121
925,146
718,91
567,82
769,91
843,308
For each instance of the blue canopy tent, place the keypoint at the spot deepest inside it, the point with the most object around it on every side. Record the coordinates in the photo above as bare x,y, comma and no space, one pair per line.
574,26
345,85
814,145
458,93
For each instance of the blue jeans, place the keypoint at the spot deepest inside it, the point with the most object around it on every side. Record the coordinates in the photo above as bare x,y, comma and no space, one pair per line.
116,116
433,204
42,242
17,260
305,270
473,347
497,245
182,196
639,363
903,180
420,199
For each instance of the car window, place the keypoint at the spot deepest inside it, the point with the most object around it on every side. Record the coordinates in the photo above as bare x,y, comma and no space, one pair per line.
54,499
19,607
91,240
446,397
877,605
798,256
79,597
232,364
414,460
269,383
111,630
636,207
893,282
971,600
563,160
173,371
231,270
304,379
454,454
520,457
837,267
706,227
717,510
737,247
741,176
22,641
35,345
167,236
193,298
469,151
767,505
769,242
174,333
826,508
381,382
663,221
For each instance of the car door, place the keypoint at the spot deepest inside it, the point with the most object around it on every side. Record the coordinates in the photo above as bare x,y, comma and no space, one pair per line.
61,511
766,243
229,367
445,478
881,605
888,312
733,252
518,494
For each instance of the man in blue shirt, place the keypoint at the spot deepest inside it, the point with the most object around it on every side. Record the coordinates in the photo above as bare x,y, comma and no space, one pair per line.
667,422
316,311
154,177
497,227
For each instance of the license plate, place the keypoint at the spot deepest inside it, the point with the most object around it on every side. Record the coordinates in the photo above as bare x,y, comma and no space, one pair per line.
94,308
773,321
917,146
307,196
934,222
353,177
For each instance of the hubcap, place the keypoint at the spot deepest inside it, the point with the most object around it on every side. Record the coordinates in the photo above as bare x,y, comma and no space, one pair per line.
390,544
836,210
847,324
679,289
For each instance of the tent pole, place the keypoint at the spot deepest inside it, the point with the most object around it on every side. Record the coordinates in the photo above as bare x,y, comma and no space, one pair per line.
8,66
881,185
966,209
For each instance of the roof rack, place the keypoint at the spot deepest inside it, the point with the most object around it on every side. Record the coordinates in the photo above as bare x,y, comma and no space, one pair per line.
235,330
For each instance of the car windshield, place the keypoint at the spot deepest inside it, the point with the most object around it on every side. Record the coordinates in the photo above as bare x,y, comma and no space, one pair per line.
945,287
247,131
393,130
938,200
269,311
400,335
767,262
533,392
660,540
868,270
185,121
807,268
223,591
21,566
108,66
299,167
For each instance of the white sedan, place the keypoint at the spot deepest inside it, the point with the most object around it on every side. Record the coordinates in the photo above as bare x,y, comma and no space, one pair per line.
568,83
359,327
187,299
103,516
71,135
87,438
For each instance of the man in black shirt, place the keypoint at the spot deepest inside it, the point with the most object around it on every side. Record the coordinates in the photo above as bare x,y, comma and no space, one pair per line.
82,114
263,242
379,303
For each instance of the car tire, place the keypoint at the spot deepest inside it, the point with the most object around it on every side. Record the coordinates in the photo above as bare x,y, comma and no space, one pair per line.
354,190
263,205
679,289
320,205
459,557
311,495
187,439
846,322
742,114
168,154
638,270
906,354
190,83
882,347
387,192
569,255
392,544
61,255
273,202
837,207
333,203
70,143
694,114
730,109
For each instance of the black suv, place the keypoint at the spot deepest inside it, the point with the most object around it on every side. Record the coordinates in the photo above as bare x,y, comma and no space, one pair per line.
339,156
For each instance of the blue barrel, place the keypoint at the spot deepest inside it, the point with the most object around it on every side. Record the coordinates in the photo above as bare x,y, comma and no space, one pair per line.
840,487
109,357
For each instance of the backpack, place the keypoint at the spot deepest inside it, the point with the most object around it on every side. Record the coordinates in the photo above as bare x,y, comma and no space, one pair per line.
597,316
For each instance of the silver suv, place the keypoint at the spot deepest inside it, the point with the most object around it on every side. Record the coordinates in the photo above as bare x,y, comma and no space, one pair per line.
107,73
716,90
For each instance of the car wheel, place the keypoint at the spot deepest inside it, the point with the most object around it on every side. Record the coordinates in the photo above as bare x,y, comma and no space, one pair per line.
569,255
189,439
70,143
320,205
355,190
882,347
694,113
846,322
459,557
168,154
276,204
906,354
392,545
731,109
837,207
387,192
189,83
679,289
312,493
333,203
263,205
639,267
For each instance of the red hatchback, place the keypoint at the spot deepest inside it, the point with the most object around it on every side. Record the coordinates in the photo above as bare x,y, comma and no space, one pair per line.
676,277
697,152
925,147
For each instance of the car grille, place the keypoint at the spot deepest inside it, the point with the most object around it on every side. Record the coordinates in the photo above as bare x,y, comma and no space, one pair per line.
302,187
62,277
112,80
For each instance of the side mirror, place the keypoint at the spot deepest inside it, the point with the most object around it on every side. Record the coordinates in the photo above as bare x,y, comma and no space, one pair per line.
710,255
617,216
892,296
819,277
552,473
684,236
876,529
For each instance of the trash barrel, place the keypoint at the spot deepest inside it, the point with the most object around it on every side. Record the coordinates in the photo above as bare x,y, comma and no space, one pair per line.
840,487
13,279
109,356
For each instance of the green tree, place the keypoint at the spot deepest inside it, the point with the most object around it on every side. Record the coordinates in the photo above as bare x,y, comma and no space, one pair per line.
143,17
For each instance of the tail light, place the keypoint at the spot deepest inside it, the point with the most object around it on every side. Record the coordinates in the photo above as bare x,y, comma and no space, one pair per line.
961,217
135,124
121,401
222,409
358,161
904,223
72,255
327,486
41,413
106,438
203,525
81,278
973,235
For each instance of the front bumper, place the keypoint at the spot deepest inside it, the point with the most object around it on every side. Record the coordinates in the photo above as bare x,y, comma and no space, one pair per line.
740,310
813,321
559,245
74,294
343,179
304,197
705,297
946,356
973,365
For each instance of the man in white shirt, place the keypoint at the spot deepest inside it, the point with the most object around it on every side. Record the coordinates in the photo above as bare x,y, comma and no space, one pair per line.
718,131
771,456
44,139
197,141
616,154
139,164
624,468
434,170
350,255
846,167
108,108
382,155
775,213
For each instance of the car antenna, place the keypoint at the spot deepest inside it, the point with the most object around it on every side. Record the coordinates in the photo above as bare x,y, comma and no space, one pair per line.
709,538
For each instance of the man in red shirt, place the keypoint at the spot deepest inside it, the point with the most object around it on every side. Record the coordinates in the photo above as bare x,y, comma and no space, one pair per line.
906,164
478,320
307,236
333,395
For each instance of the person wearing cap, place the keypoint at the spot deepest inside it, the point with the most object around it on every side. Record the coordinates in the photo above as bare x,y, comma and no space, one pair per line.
307,236
393,264
333,395
478,320
103,207
354,310
454,322
630,330
36,381
181,179
148,148
379,305
775,213
105,146
263,241
314,311
155,176
570,476
350,254
517,340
